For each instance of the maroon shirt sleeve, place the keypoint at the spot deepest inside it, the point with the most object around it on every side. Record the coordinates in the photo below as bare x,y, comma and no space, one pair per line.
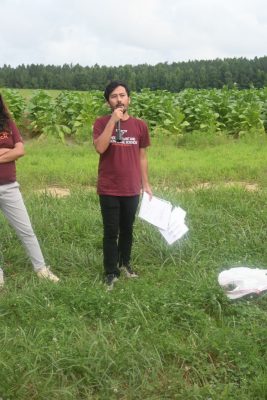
8,141
99,126
15,132
144,139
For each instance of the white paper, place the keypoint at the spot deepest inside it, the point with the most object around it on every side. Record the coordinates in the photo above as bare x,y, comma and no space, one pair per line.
169,220
177,227
245,281
155,211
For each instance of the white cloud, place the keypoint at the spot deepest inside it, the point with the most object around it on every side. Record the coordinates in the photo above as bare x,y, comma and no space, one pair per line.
131,32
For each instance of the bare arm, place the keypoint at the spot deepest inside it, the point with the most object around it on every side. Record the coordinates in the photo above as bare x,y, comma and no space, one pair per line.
4,150
102,142
144,172
12,154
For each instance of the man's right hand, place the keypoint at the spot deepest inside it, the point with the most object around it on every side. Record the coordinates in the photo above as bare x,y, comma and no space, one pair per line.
117,114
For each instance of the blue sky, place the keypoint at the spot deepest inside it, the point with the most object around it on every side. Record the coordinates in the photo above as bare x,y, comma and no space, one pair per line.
111,33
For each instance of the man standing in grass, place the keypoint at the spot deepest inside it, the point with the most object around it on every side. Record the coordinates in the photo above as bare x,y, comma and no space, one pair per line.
121,141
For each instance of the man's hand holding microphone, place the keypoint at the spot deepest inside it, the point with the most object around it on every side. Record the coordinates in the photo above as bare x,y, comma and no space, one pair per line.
117,115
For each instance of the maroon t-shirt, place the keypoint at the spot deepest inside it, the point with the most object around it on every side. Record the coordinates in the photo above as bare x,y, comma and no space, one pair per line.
119,171
8,140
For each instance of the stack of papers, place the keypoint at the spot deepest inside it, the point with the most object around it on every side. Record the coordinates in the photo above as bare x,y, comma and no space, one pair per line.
168,219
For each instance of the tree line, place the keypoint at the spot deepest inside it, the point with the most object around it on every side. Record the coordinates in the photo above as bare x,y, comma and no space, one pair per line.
203,74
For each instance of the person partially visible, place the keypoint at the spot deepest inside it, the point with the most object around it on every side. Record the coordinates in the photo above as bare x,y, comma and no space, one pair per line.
11,201
121,140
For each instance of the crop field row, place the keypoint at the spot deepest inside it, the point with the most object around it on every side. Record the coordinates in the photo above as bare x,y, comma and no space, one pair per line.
71,114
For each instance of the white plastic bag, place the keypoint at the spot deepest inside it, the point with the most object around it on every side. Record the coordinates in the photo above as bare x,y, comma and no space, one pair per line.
241,281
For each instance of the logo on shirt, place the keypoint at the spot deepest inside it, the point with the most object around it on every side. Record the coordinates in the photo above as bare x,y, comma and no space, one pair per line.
128,140
3,135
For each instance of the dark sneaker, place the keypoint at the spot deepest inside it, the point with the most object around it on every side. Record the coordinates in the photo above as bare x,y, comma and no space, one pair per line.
129,273
110,279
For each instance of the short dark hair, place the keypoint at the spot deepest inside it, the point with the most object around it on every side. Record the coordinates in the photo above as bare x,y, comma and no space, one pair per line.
113,85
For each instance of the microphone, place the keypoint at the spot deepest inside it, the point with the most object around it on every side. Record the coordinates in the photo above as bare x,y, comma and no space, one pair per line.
118,131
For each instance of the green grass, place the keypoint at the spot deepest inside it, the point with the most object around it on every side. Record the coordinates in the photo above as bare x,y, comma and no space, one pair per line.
28,93
171,334
171,167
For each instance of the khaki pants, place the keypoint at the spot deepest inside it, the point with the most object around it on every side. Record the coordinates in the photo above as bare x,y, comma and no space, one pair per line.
12,205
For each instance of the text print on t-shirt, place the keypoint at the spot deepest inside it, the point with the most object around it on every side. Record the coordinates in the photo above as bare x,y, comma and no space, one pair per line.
3,136
125,140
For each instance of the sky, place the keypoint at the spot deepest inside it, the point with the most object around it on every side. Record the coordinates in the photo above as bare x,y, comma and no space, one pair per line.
106,32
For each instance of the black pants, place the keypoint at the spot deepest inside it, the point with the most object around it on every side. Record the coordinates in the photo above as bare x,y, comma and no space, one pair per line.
118,213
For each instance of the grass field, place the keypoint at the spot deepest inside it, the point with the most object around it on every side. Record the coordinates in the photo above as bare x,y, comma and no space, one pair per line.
172,333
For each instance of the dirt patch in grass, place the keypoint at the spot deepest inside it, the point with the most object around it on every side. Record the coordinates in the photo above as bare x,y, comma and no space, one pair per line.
250,187
57,191
54,191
